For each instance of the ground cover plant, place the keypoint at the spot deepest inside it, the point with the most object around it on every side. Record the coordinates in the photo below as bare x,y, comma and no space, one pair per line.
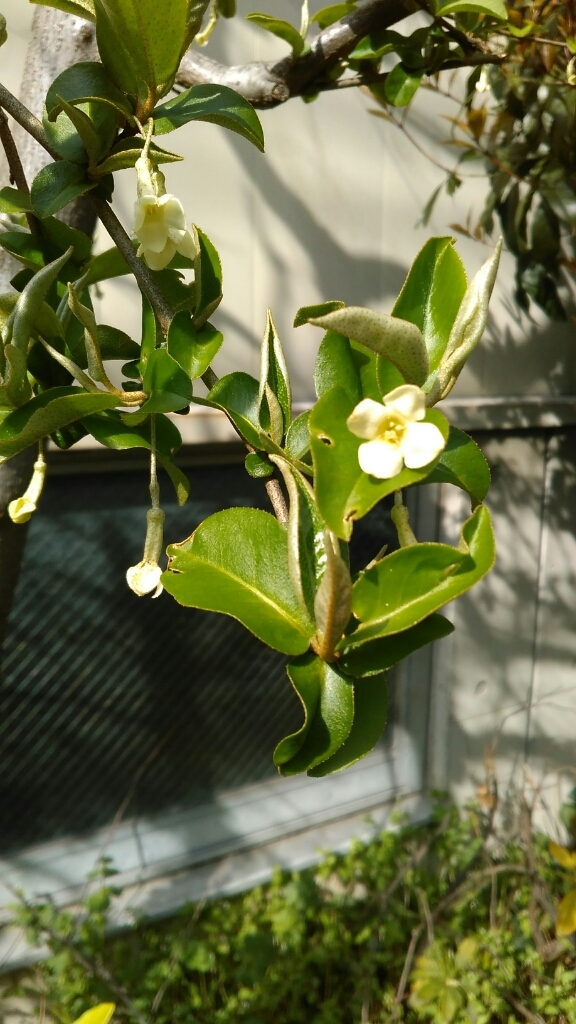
452,921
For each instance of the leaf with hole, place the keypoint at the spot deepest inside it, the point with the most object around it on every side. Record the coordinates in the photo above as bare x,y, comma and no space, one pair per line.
236,563
215,103
343,491
327,698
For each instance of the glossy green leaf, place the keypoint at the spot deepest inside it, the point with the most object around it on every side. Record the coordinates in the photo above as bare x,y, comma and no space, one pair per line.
193,350
62,236
257,466
463,464
401,85
119,434
57,185
236,563
432,293
207,278
87,82
30,303
166,382
13,201
297,443
45,321
376,655
373,47
106,265
408,585
15,389
336,367
370,715
397,340
48,412
81,8
31,250
275,393
214,103
306,313
93,146
116,344
152,37
278,27
344,493
237,394
327,699
125,153
326,16
494,8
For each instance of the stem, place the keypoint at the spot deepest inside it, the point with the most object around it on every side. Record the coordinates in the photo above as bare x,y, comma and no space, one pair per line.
17,175
154,485
274,492
143,275
26,120
401,519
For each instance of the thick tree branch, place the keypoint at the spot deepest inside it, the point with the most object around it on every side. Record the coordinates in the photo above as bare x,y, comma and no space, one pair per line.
267,84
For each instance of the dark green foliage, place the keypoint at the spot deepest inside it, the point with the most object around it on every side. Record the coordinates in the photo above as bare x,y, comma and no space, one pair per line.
328,945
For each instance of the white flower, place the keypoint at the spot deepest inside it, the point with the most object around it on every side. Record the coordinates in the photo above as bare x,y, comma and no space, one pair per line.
394,434
20,510
160,227
144,578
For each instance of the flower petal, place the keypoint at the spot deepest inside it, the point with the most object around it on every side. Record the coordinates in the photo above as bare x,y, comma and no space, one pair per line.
143,578
408,400
380,459
421,443
187,246
367,418
172,212
160,260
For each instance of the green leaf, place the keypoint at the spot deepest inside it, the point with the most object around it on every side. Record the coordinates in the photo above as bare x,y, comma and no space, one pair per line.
81,8
91,142
397,340
119,434
31,301
126,152
344,493
415,581
278,27
193,350
432,293
3,32
236,563
166,382
463,464
327,699
87,83
207,278
297,443
154,38
62,236
57,185
13,201
226,8
46,413
336,367
275,393
373,46
370,715
307,313
238,395
327,16
375,656
258,466
104,266
31,250
46,322
494,8
115,344
214,103
401,85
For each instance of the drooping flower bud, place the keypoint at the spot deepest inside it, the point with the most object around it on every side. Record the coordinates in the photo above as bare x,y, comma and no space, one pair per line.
144,577
21,509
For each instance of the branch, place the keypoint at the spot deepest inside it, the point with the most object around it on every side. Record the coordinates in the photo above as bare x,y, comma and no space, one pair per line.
267,84
17,175
26,120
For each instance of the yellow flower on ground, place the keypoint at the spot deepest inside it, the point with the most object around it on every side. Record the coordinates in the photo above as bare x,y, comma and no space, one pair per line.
395,436
160,227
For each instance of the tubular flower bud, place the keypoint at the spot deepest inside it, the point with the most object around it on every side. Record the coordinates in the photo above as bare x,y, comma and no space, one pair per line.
394,433
159,218
21,509
144,577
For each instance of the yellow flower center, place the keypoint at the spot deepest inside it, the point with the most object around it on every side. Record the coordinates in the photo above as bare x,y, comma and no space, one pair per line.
154,212
393,429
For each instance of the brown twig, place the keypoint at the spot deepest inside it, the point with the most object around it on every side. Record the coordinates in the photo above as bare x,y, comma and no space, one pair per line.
17,175
26,120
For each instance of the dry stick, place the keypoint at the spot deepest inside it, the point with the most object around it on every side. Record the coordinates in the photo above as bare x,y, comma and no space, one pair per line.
146,281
